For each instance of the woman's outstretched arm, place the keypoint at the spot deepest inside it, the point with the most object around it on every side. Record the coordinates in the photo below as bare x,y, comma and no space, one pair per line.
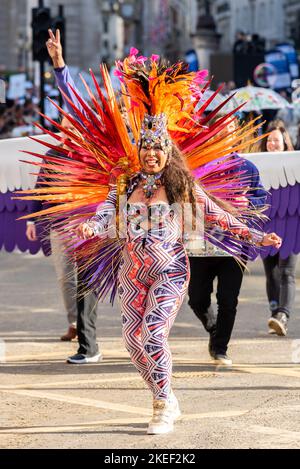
215,215
102,222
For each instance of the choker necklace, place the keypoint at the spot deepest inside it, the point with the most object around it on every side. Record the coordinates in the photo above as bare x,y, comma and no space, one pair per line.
150,183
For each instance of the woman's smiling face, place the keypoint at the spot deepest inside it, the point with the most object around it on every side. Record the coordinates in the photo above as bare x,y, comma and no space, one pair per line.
152,158
275,141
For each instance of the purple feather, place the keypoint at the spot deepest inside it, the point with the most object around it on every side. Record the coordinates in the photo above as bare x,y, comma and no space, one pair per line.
294,199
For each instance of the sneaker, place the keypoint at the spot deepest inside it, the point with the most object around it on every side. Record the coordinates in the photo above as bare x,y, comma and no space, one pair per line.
70,334
164,415
271,331
278,323
221,359
80,358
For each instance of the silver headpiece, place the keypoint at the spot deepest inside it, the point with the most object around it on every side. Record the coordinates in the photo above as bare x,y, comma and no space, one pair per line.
154,131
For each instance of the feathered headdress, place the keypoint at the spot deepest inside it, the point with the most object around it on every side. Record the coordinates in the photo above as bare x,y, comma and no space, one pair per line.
152,86
154,131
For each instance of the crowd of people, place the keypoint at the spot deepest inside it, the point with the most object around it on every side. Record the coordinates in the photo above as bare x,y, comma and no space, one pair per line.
18,116
16,119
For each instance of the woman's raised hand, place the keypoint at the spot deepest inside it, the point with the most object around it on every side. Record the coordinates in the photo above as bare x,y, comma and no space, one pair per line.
84,231
54,48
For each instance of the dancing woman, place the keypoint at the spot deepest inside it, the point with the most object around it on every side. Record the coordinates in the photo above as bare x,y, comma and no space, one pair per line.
154,271
145,258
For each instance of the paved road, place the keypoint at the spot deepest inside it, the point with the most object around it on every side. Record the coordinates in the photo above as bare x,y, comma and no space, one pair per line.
46,403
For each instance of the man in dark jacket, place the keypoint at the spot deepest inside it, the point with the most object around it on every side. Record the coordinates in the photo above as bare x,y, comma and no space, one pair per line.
81,311
213,262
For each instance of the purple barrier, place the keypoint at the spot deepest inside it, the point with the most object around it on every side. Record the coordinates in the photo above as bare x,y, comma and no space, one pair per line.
12,231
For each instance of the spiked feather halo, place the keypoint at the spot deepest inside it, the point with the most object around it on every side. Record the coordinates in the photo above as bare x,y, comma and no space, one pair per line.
101,152
101,146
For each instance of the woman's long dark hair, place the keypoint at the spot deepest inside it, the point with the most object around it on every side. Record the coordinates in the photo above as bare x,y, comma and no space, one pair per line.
180,184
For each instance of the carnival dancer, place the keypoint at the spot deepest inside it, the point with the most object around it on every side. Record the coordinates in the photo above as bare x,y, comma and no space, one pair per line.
122,205
154,271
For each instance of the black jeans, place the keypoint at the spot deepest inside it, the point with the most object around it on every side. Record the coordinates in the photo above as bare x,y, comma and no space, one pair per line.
281,288
230,275
86,321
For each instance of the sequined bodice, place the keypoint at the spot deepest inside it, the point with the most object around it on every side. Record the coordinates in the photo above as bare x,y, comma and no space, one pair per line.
157,221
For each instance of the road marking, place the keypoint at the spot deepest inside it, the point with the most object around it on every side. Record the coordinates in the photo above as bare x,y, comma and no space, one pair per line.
108,354
102,380
117,352
118,421
279,435
180,340
136,377
279,432
292,370
81,401
127,409
272,431
260,429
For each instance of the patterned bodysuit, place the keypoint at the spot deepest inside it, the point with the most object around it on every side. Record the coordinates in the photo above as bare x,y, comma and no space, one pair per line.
153,280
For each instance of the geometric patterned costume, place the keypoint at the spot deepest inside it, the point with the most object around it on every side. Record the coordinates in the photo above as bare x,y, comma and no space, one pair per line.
153,279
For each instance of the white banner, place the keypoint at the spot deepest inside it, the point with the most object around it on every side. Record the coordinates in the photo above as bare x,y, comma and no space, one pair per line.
276,169
17,86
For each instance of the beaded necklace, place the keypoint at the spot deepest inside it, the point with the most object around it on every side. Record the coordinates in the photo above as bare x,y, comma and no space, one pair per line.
150,183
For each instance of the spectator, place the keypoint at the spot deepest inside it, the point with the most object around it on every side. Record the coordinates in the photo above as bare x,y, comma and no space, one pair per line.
240,45
280,273
212,262
81,310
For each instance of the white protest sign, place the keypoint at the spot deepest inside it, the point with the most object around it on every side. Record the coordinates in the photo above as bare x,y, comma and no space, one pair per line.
17,86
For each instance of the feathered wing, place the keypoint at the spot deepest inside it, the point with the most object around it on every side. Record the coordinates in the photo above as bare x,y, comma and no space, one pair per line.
77,179
101,151
228,180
